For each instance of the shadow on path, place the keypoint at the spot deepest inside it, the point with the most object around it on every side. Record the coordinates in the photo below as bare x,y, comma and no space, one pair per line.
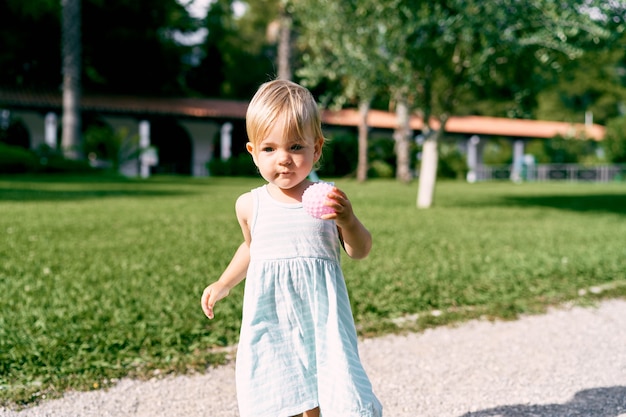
595,402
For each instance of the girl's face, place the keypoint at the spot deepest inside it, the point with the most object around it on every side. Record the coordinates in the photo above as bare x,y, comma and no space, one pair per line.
284,161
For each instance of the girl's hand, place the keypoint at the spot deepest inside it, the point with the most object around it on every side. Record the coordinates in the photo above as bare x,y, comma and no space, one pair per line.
338,200
356,239
211,295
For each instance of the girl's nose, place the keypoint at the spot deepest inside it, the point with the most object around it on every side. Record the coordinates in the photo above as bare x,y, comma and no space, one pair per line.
284,158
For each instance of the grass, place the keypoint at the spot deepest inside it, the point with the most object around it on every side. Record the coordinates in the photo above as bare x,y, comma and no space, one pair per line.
101,277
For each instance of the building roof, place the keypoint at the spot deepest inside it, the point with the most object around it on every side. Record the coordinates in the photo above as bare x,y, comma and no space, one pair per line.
231,109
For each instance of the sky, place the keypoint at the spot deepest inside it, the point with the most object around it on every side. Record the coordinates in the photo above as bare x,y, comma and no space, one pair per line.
198,8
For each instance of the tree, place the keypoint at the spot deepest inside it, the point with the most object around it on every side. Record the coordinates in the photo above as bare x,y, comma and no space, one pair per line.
594,84
458,48
284,42
132,47
128,47
26,60
72,56
615,141
239,51
341,42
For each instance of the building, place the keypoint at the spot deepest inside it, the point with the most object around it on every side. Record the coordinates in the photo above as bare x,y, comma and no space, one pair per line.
187,131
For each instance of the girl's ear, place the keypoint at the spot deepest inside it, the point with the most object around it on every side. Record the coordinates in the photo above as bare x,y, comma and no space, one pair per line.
250,149
317,153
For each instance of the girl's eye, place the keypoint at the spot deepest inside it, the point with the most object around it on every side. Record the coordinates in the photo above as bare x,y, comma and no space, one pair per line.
267,149
297,147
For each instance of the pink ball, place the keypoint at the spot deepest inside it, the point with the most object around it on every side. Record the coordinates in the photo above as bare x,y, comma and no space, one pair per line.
314,197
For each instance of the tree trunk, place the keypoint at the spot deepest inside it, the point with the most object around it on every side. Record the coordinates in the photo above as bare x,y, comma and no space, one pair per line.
401,136
71,54
430,158
284,43
361,170
428,172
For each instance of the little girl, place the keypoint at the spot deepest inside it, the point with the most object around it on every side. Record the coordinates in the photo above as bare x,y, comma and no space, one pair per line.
297,353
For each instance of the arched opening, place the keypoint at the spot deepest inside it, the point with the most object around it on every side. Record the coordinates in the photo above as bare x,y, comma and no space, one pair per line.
14,133
173,145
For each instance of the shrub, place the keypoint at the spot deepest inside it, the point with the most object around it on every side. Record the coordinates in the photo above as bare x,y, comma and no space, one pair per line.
380,169
497,151
58,164
103,143
16,160
340,156
241,165
452,163
614,144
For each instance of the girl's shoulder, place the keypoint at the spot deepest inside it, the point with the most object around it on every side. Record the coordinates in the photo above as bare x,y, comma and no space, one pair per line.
244,200
243,205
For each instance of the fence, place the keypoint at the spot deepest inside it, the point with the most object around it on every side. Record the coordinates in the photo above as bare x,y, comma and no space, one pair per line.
554,172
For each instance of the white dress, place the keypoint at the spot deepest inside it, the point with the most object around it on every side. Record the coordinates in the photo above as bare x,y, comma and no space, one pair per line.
298,344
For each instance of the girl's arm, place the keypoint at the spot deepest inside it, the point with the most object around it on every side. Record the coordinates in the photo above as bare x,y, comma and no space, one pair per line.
234,273
357,240
236,270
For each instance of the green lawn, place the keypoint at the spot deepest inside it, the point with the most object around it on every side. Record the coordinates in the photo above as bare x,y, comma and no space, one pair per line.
101,278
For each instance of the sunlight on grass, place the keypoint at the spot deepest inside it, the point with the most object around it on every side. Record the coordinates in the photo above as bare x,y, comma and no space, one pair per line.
101,278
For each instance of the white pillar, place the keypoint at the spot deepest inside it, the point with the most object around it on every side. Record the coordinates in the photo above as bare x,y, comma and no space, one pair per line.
226,140
5,119
144,145
472,158
518,160
50,136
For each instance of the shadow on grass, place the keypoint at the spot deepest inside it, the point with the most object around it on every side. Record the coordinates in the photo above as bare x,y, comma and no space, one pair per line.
64,188
607,203
26,195
595,402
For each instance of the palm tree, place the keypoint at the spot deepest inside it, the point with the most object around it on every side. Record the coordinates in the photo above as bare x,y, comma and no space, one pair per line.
71,51
284,42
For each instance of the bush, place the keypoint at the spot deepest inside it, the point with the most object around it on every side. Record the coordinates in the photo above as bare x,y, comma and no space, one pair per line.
614,144
451,164
497,151
241,165
559,150
340,156
380,169
17,160
56,164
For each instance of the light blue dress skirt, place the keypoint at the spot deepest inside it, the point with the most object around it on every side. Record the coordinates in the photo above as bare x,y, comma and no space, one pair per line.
298,344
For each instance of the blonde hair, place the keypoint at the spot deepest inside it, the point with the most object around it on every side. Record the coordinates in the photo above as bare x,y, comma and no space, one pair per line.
282,98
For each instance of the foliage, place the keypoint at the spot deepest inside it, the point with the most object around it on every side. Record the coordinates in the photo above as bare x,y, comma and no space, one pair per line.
452,163
103,144
240,165
15,159
26,59
18,160
237,55
380,169
560,150
125,49
341,41
122,264
615,142
339,156
498,151
595,83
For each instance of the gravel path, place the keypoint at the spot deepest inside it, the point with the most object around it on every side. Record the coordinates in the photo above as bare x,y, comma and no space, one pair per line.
568,362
